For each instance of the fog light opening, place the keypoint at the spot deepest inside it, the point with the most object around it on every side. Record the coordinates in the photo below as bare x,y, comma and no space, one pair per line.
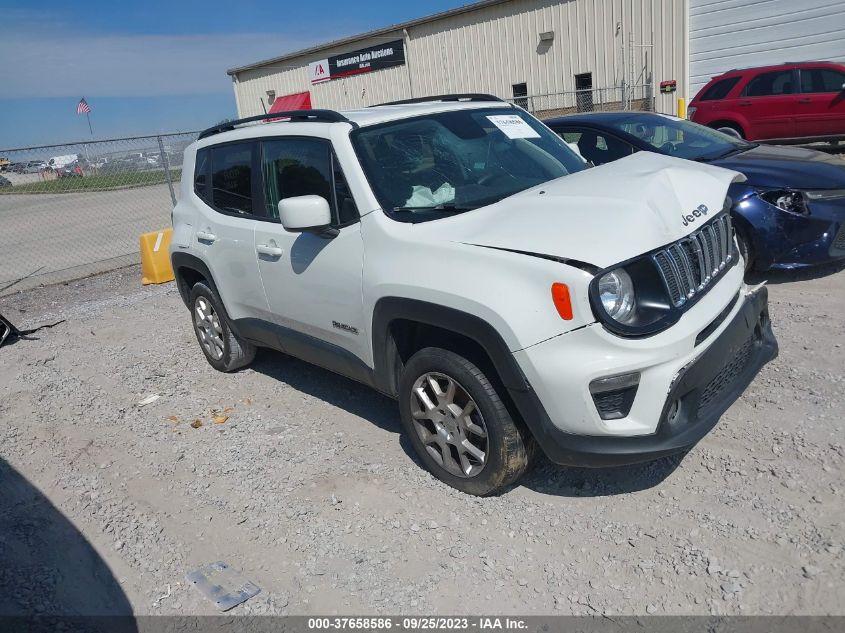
674,412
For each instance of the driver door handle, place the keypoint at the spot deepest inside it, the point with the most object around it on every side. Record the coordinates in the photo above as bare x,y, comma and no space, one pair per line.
205,236
267,249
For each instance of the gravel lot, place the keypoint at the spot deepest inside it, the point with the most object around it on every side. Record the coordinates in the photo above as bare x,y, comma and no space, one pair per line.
304,483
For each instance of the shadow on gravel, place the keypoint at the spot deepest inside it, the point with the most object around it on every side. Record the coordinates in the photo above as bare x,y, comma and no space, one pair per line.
47,567
337,390
563,481
775,277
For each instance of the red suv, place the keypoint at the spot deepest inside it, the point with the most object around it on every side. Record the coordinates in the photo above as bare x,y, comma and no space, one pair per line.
790,102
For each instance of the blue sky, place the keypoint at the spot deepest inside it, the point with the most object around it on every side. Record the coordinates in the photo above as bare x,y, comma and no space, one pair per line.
154,66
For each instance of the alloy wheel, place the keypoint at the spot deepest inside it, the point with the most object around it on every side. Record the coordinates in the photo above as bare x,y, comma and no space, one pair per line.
449,424
208,327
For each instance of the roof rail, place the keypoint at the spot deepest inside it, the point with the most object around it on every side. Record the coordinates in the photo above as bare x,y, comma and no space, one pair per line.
316,116
455,97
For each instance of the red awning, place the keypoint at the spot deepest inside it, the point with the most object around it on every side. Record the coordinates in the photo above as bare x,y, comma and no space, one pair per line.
297,101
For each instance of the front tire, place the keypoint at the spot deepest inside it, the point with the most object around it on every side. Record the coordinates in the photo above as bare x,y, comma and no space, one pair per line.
458,424
223,349
731,130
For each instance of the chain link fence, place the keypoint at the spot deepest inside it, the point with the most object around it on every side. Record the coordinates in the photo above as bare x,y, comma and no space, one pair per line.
638,97
69,211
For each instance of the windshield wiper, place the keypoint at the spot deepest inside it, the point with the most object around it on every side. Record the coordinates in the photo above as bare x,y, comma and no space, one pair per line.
448,207
735,151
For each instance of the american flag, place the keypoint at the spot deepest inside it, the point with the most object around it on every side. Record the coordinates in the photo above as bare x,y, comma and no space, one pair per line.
83,107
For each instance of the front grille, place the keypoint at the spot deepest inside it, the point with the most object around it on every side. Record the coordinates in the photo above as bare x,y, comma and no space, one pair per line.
689,265
731,370
839,240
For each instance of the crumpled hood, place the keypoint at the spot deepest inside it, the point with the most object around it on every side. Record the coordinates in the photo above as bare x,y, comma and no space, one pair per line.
603,215
793,167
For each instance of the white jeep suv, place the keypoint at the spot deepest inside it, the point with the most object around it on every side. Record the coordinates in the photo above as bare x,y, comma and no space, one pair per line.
455,254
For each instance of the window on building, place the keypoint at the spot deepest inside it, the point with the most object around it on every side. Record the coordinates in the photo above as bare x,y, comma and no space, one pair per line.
584,92
770,84
302,167
231,178
201,175
520,95
720,89
821,80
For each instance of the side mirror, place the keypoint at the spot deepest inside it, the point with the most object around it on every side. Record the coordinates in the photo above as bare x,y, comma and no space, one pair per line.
306,213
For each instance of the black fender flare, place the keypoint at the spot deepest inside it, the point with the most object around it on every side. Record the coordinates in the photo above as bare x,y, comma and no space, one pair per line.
389,309
526,401
182,261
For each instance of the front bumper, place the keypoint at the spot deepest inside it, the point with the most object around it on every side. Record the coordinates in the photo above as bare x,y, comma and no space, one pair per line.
704,389
784,240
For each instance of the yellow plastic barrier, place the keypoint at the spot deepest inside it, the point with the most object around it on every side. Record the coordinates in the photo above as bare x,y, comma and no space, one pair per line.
682,108
155,257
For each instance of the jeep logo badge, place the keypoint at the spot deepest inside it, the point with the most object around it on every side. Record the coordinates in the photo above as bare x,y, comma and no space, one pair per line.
699,212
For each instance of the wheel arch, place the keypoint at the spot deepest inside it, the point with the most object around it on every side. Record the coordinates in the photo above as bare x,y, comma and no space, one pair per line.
188,270
402,326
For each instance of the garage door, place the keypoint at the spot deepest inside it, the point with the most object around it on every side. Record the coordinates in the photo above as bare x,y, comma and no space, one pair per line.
727,34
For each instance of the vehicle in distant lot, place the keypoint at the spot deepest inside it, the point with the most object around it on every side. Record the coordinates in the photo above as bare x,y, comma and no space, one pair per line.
790,103
5,182
16,168
58,162
33,167
455,254
4,164
789,212
70,171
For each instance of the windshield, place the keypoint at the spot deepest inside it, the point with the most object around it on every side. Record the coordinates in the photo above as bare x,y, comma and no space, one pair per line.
681,138
436,164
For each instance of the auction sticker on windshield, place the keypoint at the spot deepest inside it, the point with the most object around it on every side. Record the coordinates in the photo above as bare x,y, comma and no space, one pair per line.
513,126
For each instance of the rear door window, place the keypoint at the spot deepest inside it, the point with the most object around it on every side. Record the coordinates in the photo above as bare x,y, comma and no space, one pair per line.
232,178
770,84
720,89
821,80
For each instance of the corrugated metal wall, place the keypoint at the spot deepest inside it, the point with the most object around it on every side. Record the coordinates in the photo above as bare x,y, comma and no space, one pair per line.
492,48
728,34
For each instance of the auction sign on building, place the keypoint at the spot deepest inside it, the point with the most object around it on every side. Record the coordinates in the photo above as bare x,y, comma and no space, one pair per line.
360,61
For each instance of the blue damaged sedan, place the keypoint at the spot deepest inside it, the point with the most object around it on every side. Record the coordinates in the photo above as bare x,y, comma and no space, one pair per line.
789,213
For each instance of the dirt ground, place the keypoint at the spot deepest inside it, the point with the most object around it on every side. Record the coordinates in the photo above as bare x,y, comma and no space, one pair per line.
300,479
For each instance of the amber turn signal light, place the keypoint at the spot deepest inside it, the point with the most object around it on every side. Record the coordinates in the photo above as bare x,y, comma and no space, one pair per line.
563,304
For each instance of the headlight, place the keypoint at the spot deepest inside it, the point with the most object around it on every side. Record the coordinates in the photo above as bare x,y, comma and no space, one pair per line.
631,299
786,200
616,291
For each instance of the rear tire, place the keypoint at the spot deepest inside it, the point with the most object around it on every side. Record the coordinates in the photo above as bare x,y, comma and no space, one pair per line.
223,349
459,425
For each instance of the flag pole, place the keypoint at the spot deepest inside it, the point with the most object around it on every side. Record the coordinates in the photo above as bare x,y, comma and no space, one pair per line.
90,129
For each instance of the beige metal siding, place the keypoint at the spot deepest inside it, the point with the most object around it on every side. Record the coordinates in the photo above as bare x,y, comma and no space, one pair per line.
494,47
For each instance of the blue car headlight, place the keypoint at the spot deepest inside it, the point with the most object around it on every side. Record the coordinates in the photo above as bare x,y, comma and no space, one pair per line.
787,200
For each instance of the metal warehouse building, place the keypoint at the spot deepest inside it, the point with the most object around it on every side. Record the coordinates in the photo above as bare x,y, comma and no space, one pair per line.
550,56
